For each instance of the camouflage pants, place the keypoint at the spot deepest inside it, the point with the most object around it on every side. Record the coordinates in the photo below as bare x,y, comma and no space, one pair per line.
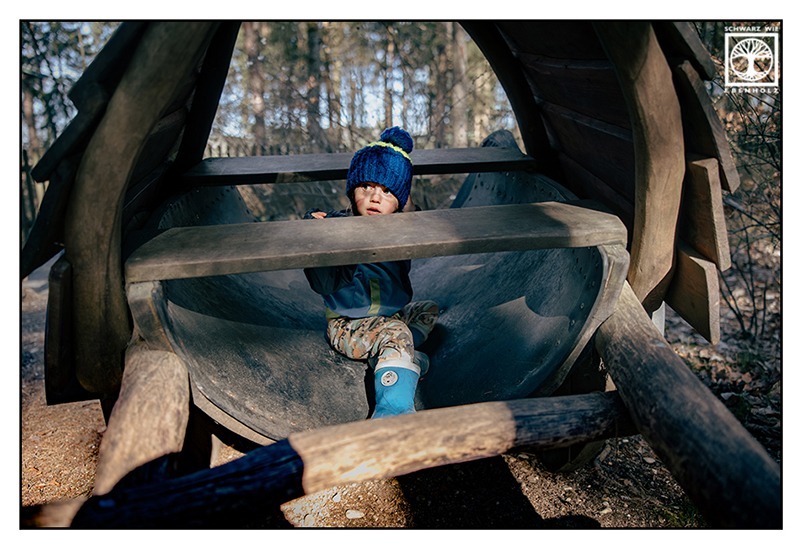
384,338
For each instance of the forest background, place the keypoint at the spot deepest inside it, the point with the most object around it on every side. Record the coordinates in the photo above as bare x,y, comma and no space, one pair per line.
304,87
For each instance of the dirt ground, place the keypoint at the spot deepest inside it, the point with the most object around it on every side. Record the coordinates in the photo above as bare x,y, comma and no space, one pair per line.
625,486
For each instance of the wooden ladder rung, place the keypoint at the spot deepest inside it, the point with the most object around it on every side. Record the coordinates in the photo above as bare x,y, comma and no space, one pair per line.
333,166
200,251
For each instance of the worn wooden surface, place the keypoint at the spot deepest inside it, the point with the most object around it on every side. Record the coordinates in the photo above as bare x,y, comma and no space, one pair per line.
149,418
703,130
694,292
46,238
646,82
75,135
202,251
240,491
558,80
703,215
333,166
165,57
680,40
724,470
603,149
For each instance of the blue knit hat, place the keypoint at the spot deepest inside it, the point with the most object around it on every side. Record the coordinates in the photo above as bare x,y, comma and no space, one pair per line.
386,162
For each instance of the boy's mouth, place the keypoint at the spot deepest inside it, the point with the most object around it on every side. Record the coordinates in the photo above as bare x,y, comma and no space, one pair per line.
373,210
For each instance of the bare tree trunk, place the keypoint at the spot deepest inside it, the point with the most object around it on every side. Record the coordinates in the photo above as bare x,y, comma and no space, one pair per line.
314,87
387,69
255,83
34,145
438,103
459,117
481,108
332,80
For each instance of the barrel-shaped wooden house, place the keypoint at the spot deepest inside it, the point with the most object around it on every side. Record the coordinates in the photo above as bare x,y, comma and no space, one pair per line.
188,318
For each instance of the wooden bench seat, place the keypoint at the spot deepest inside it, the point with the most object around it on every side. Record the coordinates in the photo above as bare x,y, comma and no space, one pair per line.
324,166
200,251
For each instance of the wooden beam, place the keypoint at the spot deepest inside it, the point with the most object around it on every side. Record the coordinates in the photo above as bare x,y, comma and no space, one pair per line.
694,292
702,213
240,491
109,65
727,474
586,184
679,39
149,418
703,130
201,251
46,238
166,58
602,149
75,135
205,102
559,80
334,166
646,82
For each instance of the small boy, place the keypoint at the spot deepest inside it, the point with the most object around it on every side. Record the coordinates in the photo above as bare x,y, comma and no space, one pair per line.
368,306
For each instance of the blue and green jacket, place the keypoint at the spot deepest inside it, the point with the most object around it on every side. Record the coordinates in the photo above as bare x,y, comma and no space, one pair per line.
361,290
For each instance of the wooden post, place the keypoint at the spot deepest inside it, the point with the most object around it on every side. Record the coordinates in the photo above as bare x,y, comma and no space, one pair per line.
150,416
723,469
646,81
164,60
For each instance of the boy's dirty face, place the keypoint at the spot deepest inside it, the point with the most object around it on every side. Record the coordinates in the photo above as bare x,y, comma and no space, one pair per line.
371,199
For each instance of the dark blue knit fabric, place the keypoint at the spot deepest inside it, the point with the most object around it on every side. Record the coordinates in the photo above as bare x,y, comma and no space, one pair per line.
385,162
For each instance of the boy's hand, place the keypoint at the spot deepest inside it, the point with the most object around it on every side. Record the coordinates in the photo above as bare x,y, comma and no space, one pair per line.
318,215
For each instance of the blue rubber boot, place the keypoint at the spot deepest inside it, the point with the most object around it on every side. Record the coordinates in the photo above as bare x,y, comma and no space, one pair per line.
395,388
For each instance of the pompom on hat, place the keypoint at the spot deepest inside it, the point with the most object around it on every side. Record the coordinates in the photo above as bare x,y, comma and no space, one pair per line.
386,162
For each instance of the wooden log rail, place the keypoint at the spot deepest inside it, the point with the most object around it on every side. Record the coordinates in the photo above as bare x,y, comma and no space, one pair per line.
245,489
724,470
333,166
184,252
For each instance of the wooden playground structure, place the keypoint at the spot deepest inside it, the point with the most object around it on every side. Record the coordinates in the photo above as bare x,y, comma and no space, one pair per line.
188,319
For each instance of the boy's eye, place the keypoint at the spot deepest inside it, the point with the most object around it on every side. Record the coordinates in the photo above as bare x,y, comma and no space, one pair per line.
367,187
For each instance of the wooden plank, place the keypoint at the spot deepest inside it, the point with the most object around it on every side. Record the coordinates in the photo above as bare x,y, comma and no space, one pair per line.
586,184
201,251
61,386
158,144
694,292
333,166
107,67
726,473
702,212
557,39
604,150
588,87
679,39
149,418
238,492
646,82
703,131
165,59
46,237
75,135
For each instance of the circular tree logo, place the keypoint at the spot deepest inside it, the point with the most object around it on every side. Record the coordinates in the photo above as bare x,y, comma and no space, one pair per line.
751,59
